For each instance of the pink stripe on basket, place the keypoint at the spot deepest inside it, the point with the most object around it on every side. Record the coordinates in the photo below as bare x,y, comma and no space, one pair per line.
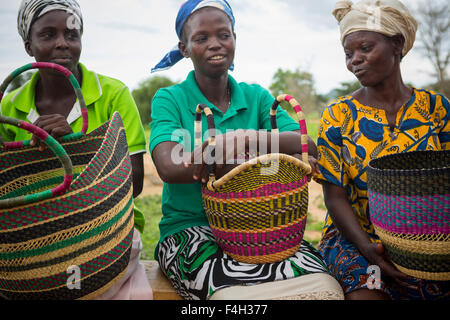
288,98
14,145
303,128
49,65
259,237
263,191
84,114
244,250
63,187
411,214
41,134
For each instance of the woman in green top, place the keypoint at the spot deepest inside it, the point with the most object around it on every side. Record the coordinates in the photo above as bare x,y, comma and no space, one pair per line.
51,31
187,251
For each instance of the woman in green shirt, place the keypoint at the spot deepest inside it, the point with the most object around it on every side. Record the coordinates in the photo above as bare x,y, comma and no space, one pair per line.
187,251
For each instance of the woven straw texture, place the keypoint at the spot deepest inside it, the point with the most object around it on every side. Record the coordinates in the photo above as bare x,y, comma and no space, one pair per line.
409,201
88,228
257,212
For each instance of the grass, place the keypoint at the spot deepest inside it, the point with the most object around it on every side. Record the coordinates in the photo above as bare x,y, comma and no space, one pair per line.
151,207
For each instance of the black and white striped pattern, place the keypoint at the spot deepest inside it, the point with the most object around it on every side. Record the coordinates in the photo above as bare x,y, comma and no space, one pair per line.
197,267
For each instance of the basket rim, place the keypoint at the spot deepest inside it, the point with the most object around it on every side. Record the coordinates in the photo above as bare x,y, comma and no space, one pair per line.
370,166
264,158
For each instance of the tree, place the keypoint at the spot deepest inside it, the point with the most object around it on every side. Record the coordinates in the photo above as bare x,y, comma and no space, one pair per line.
299,85
143,95
346,88
434,38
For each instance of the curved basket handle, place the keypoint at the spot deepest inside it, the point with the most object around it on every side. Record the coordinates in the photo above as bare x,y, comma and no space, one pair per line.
301,120
273,120
211,148
56,148
68,75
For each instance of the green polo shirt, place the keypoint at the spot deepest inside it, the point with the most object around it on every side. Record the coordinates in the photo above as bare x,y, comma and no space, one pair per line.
173,115
103,96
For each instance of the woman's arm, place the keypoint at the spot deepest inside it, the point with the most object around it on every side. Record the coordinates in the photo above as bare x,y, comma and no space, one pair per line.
347,223
137,163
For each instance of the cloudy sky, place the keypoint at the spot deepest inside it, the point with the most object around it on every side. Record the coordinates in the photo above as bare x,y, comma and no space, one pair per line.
125,38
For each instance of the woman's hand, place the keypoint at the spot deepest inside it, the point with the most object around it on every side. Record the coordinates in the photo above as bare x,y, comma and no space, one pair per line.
229,147
55,124
374,253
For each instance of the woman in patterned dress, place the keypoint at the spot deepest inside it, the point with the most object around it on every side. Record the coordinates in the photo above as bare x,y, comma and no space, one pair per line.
187,251
383,117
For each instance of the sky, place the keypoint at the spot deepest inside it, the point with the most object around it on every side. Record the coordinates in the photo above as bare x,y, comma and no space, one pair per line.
124,39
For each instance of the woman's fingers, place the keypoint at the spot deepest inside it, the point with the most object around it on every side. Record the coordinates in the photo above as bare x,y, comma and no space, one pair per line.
56,125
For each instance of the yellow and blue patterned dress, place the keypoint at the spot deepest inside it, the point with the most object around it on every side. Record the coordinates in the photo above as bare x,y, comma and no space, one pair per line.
350,135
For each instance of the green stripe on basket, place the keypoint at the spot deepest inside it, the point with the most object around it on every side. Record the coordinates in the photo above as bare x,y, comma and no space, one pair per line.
57,149
74,82
71,136
68,242
419,261
38,196
24,68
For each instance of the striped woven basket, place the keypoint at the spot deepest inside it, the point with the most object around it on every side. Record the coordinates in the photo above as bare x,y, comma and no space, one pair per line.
409,202
66,214
257,211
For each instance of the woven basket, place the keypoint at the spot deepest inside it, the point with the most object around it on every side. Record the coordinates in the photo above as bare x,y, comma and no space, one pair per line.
409,202
257,211
65,231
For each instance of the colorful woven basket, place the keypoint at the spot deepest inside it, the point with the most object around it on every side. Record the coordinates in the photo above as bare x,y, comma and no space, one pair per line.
257,211
65,231
409,202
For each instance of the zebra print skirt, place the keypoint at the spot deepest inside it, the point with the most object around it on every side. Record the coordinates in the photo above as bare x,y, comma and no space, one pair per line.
197,267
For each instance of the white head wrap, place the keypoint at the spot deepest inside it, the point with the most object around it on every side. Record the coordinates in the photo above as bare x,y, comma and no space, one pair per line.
388,17
31,10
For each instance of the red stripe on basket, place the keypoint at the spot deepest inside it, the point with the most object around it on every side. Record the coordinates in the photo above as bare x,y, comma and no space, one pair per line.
49,65
304,148
288,98
410,214
14,145
303,128
262,250
41,134
84,115
263,191
63,187
259,237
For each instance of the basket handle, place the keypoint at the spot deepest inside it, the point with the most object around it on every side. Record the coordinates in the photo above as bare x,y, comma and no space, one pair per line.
300,117
55,147
73,81
273,120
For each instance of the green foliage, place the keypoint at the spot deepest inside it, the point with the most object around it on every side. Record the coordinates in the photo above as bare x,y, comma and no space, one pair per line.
299,85
346,88
151,207
143,95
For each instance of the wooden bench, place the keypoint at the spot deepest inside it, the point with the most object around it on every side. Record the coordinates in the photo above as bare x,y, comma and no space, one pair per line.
162,288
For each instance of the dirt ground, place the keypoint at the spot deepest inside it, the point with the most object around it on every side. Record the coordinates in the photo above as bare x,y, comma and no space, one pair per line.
153,185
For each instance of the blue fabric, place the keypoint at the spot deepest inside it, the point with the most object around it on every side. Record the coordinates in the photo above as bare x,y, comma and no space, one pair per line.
186,10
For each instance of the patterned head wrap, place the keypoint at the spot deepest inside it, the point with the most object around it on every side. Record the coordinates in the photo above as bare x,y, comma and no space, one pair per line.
388,17
186,10
31,10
